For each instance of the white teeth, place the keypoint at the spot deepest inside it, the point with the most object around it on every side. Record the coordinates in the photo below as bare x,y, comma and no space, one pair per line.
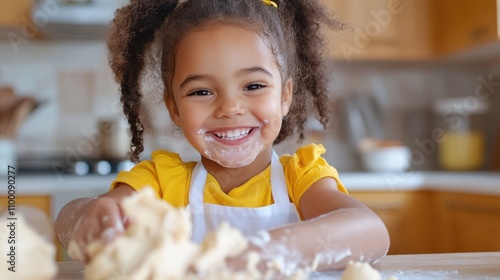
233,134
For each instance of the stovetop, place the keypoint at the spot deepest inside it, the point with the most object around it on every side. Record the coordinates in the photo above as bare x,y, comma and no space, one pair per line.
69,166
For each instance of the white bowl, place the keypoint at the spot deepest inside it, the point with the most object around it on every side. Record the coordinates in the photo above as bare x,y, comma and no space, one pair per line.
387,159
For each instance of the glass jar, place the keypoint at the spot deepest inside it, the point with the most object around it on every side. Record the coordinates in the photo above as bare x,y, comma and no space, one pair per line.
7,156
462,145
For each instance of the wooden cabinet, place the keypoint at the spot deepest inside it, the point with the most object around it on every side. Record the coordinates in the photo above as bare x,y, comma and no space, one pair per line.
467,223
409,30
405,215
41,202
16,25
14,13
464,24
380,29
437,222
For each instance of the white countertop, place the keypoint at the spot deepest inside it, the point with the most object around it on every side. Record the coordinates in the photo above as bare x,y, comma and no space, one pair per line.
479,183
49,184
470,182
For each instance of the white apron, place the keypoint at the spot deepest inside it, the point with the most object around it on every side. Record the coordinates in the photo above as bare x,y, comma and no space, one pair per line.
207,217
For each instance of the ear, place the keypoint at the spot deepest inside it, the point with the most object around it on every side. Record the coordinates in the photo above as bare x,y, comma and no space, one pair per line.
286,97
172,109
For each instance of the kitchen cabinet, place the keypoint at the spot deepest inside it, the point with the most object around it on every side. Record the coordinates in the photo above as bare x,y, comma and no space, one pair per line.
41,202
411,30
13,14
405,214
380,29
464,24
428,221
467,223
16,23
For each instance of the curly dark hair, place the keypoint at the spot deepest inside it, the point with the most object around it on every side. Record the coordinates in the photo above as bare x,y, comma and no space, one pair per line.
293,31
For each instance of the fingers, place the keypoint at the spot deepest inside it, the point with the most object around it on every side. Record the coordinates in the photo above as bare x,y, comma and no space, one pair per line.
111,222
103,221
77,252
83,234
125,219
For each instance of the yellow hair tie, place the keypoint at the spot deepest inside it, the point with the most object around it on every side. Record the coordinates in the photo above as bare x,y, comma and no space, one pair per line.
270,3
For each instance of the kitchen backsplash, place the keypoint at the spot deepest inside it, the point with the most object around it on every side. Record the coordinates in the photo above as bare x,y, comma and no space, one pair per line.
406,93
74,82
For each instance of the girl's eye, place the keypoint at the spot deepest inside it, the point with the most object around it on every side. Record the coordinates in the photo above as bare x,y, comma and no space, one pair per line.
255,86
199,93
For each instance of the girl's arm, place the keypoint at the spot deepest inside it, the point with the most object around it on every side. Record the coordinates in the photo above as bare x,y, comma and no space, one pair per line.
337,229
86,219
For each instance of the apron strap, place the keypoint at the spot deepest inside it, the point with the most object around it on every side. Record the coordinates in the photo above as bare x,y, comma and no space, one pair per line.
197,187
278,184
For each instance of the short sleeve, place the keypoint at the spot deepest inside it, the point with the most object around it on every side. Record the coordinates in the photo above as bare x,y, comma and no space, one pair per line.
165,173
304,168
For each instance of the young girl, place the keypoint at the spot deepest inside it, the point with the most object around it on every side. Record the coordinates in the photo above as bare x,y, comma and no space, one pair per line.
238,76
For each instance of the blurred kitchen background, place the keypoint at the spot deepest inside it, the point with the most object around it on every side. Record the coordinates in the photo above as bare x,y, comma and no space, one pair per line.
410,79
390,67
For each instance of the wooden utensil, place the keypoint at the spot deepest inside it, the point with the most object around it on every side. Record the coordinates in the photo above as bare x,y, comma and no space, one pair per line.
7,97
5,117
22,109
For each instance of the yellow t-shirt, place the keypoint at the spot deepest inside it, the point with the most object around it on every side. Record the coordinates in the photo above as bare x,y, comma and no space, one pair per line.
170,177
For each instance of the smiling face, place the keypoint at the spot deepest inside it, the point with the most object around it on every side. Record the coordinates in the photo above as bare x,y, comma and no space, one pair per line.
228,94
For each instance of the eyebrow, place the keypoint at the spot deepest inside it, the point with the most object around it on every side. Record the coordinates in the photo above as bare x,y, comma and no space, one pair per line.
245,71
192,78
251,70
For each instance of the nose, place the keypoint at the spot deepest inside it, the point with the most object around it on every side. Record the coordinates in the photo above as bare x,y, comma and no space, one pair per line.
229,106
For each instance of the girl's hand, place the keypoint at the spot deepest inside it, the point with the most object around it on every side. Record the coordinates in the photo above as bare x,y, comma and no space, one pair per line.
86,219
103,219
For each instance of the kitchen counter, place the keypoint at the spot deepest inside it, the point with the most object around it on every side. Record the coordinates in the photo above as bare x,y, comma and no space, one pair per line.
33,184
487,183
60,188
425,266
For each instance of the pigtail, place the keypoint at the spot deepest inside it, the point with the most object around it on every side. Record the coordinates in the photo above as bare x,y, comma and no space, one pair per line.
131,34
306,17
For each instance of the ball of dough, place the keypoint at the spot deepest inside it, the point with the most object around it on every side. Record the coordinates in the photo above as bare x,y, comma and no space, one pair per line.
158,246
33,257
360,271
38,221
155,246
